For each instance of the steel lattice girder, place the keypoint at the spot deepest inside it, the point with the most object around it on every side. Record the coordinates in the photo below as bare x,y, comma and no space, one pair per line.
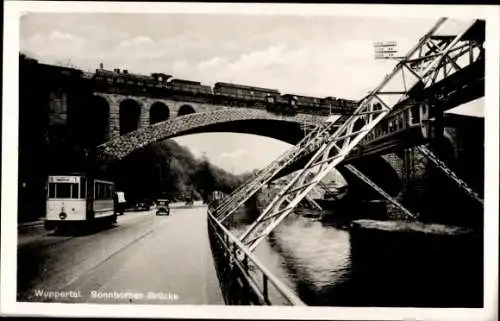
310,142
371,111
448,172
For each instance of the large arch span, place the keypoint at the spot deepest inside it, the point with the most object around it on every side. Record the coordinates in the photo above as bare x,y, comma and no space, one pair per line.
257,122
249,121
284,128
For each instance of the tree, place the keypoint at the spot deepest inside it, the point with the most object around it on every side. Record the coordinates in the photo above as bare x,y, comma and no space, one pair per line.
166,169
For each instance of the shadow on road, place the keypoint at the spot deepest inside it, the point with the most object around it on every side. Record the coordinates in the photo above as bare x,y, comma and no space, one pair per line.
81,230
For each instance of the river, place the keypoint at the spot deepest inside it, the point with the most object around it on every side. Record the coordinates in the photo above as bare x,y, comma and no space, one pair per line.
310,256
314,258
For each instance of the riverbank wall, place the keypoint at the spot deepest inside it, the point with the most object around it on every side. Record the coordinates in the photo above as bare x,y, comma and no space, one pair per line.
402,264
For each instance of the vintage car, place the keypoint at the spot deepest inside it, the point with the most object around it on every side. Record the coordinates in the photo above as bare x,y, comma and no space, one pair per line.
162,207
143,204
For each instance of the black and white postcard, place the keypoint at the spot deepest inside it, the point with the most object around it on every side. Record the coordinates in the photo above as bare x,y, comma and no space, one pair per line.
278,161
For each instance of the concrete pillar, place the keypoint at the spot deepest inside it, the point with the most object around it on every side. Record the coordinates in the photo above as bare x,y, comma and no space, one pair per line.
396,162
415,185
144,115
58,108
414,264
411,171
114,119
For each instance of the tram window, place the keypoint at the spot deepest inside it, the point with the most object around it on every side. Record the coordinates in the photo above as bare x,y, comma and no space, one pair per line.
52,190
103,191
74,190
63,190
83,187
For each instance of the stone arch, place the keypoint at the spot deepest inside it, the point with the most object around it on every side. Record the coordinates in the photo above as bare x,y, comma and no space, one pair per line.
250,121
158,113
130,112
186,110
99,115
91,121
378,170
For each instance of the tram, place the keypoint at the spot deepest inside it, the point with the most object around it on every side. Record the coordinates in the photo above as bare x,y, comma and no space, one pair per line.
74,200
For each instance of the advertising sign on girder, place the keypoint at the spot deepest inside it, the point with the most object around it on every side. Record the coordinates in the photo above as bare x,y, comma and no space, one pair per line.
385,49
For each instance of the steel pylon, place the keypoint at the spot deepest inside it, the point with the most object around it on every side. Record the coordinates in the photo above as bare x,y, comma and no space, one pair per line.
449,173
307,145
377,188
433,55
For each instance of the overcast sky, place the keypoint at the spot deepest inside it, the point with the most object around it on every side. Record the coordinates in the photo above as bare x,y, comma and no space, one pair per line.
315,55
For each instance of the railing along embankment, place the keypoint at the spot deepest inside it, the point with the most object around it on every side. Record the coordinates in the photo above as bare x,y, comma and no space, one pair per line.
244,280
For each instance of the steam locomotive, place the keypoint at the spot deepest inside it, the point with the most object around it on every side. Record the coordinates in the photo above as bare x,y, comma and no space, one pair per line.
161,85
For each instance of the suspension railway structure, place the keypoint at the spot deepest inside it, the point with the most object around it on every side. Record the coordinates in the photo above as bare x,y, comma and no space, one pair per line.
436,56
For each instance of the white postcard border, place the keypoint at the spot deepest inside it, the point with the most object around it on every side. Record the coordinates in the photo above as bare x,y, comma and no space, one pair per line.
9,306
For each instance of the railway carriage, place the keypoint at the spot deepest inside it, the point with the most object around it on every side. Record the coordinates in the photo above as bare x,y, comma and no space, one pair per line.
161,79
222,93
189,87
305,103
282,105
123,80
78,200
242,95
140,81
339,105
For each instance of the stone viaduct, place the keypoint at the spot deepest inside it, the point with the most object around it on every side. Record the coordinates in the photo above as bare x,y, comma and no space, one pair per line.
121,123
405,174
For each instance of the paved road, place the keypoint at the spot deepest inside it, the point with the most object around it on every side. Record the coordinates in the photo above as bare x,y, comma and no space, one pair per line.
145,259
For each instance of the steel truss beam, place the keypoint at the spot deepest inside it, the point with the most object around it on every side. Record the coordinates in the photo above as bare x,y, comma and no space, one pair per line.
345,138
240,195
368,181
449,173
307,145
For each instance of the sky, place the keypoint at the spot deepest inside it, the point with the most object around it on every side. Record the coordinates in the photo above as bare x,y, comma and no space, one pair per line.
306,55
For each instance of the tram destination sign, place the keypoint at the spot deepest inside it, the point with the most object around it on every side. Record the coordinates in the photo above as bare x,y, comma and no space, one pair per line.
63,179
385,49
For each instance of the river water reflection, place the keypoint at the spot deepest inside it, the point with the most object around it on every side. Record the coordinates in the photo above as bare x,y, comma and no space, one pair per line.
326,265
311,257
